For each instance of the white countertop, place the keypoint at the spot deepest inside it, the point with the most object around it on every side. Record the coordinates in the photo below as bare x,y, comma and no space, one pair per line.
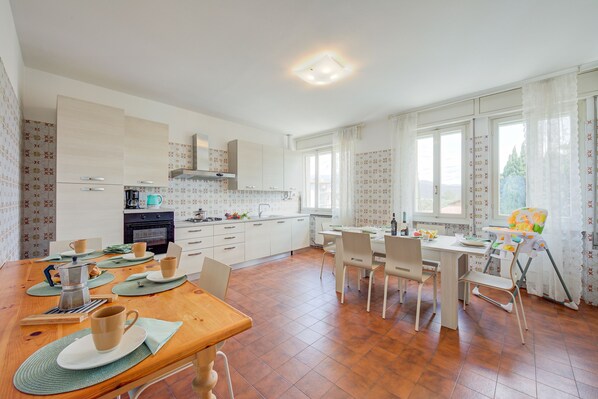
184,223
146,210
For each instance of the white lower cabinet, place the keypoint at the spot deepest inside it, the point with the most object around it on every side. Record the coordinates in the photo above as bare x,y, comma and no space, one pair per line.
281,233
230,254
192,261
300,232
257,239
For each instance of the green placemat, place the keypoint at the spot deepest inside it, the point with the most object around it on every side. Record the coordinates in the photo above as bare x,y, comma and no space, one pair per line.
120,262
44,289
40,375
57,258
131,288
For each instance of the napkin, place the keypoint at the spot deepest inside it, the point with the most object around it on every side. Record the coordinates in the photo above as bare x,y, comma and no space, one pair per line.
137,276
118,249
158,332
50,258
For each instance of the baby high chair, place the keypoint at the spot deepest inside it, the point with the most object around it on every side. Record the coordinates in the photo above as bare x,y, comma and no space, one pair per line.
525,227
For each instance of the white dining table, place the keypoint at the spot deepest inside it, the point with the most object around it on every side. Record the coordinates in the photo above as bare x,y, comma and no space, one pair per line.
453,258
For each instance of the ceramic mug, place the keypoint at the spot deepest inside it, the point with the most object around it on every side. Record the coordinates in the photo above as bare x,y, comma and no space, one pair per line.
79,246
108,326
168,266
139,249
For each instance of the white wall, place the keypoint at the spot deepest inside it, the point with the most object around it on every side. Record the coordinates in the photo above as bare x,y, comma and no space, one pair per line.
10,50
39,104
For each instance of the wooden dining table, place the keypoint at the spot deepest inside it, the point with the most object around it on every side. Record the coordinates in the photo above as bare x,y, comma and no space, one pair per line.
206,322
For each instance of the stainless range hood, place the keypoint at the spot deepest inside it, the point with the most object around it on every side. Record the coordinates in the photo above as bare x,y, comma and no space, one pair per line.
201,163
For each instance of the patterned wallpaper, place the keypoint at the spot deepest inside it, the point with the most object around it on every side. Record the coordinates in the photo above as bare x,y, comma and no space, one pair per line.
10,179
185,196
588,176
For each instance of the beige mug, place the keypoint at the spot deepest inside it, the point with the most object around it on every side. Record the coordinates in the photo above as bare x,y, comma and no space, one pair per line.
79,246
168,266
139,249
108,326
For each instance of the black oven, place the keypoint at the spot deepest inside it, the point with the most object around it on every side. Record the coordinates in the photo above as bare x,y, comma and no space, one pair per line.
155,228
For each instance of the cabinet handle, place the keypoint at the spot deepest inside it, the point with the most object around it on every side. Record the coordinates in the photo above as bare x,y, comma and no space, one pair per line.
92,189
195,254
281,221
227,248
300,220
257,224
230,227
291,188
195,231
145,181
273,188
249,186
195,242
229,238
92,178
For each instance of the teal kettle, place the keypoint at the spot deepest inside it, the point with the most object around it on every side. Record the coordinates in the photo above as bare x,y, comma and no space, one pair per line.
154,201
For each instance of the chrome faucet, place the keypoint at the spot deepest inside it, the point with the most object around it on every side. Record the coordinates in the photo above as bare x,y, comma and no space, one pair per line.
259,209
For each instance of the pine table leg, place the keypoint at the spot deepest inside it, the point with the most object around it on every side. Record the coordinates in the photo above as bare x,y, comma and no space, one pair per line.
206,377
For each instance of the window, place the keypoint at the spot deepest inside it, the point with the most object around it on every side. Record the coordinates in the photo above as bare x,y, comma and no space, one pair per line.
318,180
509,182
440,182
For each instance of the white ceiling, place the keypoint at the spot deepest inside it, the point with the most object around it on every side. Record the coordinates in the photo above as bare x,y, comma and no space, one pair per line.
234,58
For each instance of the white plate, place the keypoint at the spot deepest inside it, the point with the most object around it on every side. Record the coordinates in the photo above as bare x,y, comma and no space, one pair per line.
471,243
156,277
73,253
132,256
82,354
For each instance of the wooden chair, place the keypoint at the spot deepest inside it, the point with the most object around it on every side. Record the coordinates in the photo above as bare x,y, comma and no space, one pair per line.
357,252
329,246
404,260
506,284
175,251
214,278
63,245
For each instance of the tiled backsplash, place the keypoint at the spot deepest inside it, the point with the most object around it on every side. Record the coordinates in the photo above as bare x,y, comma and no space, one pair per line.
185,196
10,179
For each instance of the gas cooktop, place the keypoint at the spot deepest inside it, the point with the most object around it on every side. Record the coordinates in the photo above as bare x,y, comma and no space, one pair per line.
196,220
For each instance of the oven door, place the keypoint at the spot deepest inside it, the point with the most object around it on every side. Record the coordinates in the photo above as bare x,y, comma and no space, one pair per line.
157,235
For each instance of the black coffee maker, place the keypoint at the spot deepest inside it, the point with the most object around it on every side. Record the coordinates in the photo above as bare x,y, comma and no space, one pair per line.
131,199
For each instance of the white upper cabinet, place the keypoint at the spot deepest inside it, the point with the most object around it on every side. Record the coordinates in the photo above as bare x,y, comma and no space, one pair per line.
293,170
90,144
273,168
146,153
245,160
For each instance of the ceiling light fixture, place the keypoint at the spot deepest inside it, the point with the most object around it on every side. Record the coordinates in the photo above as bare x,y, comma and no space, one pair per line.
323,71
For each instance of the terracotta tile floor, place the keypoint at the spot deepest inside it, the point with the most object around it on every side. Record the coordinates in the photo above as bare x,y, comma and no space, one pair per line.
305,344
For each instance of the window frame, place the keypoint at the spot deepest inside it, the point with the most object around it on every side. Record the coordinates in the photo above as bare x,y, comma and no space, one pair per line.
496,218
436,215
316,152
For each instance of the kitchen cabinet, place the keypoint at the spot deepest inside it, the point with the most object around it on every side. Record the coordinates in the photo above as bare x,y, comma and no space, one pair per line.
89,144
293,170
192,261
272,168
257,239
280,236
145,153
230,254
300,233
89,210
245,160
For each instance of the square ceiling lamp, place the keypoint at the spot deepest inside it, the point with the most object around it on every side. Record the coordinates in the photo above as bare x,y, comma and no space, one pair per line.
323,71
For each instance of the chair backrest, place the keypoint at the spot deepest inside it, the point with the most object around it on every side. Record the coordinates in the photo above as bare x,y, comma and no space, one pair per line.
403,257
357,249
328,239
174,250
528,219
514,248
214,277
63,245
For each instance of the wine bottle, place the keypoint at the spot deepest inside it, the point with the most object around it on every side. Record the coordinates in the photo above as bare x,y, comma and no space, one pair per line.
393,225
405,226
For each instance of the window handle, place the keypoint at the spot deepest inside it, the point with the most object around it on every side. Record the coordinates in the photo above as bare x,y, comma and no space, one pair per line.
435,190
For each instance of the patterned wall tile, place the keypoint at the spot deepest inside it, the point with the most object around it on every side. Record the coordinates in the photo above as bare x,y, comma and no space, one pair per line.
588,150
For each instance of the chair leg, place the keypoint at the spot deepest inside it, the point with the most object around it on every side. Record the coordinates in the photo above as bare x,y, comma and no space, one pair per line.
322,267
227,372
343,291
419,302
518,319
370,289
359,280
465,286
434,305
521,303
385,292
402,290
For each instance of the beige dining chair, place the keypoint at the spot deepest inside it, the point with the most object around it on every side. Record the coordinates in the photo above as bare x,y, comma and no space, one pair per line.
329,245
357,252
63,245
174,251
404,260
506,284
214,278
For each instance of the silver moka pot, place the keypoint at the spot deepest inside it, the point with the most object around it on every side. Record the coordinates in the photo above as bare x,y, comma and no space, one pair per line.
73,281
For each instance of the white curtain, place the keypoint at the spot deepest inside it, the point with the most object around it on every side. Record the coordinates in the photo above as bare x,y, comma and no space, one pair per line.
404,137
553,182
343,155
